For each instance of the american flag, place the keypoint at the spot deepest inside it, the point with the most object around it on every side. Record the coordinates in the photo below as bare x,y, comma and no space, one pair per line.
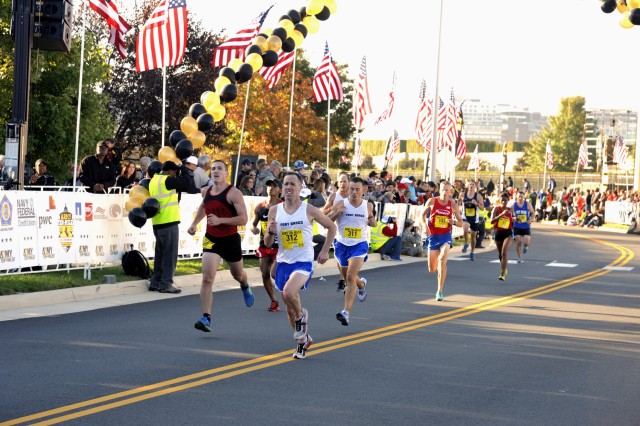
451,118
117,25
443,112
163,39
474,163
357,153
461,145
583,155
620,151
387,112
424,111
272,74
395,143
362,103
548,155
326,81
236,45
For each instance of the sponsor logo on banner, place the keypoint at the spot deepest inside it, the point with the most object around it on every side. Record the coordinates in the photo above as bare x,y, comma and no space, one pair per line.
26,212
48,253
78,211
88,212
99,250
45,220
142,246
6,211
115,211
113,250
27,254
83,251
6,256
65,226
100,213
52,203
182,244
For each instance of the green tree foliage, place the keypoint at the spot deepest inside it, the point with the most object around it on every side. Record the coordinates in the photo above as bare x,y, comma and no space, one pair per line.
565,134
6,63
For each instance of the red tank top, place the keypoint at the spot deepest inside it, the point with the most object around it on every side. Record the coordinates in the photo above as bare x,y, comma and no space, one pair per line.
439,217
505,222
221,207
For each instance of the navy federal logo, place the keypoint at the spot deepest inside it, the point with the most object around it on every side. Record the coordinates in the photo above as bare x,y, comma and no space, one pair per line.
65,227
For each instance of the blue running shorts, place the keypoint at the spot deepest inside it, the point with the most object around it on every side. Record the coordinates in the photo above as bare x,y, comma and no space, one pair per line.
435,241
343,253
285,270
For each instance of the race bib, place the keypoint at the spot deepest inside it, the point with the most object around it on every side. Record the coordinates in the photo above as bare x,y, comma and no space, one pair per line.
354,233
503,223
522,218
207,244
470,211
291,238
441,221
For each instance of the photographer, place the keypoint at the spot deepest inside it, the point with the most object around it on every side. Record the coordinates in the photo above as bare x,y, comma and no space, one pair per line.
385,239
41,177
412,241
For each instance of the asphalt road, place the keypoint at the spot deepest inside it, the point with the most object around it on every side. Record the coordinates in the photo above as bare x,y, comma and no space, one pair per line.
558,343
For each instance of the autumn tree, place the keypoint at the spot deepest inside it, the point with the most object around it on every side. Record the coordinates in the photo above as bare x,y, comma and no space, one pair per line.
564,132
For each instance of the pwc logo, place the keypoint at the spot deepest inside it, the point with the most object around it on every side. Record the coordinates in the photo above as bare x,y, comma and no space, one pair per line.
88,212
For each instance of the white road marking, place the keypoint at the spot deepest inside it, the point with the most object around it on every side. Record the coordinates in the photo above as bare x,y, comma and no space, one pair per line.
510,261
619,268
562,265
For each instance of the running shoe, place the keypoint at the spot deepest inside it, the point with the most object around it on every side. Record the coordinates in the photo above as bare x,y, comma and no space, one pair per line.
341,285
275,307
465,247
472,256
343,317
248,297
203,324
301,350
385,257
502,277
362,293
525,249
439,296
301,325
519,261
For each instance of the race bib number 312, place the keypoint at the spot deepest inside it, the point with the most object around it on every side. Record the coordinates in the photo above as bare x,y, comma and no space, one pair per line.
291,238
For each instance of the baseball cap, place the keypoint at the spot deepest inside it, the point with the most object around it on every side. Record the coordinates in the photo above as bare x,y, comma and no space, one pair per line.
246,161
169,165
402,186
274,182
192,160
411,178
299,165
40,161
102,143
305,192
405,180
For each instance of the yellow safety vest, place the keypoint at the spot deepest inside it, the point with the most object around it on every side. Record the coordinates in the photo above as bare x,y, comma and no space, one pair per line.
169,211
377,237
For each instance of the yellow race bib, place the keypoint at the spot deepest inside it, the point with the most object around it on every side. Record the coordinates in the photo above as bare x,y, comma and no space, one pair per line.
354,233
469,212
291,238
441,221
207,244
522,218
503,223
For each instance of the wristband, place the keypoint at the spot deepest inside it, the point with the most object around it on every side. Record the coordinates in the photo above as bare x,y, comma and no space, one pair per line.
271,233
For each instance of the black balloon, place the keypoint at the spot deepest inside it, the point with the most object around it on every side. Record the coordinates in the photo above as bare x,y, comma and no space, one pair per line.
281,33
263,35
229,92
227,72
184,149
302,29
294,15
324,14
150,206
269,58
254,48
303,12
289,45
244,73
634,16
137,217
195,110
608,6
284,17
176,136
155,166
205,122
144,183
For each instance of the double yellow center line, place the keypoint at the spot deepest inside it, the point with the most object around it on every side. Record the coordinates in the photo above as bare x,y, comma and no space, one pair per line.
179,384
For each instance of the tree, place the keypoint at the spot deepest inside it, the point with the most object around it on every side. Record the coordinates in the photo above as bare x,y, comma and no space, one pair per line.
6,63
565,134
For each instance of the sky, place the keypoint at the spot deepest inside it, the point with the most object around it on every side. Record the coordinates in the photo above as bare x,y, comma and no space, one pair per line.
522,53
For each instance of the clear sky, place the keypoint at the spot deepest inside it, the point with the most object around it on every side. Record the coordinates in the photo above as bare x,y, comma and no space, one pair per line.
524,53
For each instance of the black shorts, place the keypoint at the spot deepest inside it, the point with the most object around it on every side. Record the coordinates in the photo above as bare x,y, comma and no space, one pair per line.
521,231
229,248
473,225
503,234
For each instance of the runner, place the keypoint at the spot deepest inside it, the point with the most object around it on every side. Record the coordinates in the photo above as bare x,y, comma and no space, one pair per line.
267,255
292,222
523,212
352,215
502,220
472,203
340,194
437,219
224,207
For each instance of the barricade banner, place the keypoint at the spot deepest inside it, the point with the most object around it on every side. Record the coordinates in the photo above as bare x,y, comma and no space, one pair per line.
621,212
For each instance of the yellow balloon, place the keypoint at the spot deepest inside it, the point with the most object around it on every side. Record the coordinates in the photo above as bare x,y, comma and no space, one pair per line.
139,192
331,5
188,125
312,24
235,64
219,84
176,160
275,43
218,112
132,203
315,6
287,25
210,100
622,7
625,22
262,43
166,152
297,37
197,138
204,96
255,60
266,31
633,4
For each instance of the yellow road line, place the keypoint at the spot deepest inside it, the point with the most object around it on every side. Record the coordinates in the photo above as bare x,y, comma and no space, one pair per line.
221,373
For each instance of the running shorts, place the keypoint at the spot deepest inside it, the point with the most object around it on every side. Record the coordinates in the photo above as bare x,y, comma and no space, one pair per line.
435,241
473,225
271,252
343,252
285,270
503,234
521,231
229,248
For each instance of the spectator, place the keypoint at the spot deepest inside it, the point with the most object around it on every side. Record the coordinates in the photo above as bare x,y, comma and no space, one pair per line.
127,177
490,187
263,175
510,182
275,167
191,163
385,239
551,186
41,177
317,197
299,166
200,174
144,165
526,185
69,182
412,241
378,191
595,220
411,184
318,166
246,184
96,171
114,154
246,166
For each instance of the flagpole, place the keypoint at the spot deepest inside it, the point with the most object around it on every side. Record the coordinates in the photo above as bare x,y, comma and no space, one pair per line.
544,175
575,180
75,157
244,117
164,99
293,83
328,129
356,147
432,174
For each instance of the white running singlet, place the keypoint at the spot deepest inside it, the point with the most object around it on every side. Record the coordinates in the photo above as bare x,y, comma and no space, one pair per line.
295,235
352,224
